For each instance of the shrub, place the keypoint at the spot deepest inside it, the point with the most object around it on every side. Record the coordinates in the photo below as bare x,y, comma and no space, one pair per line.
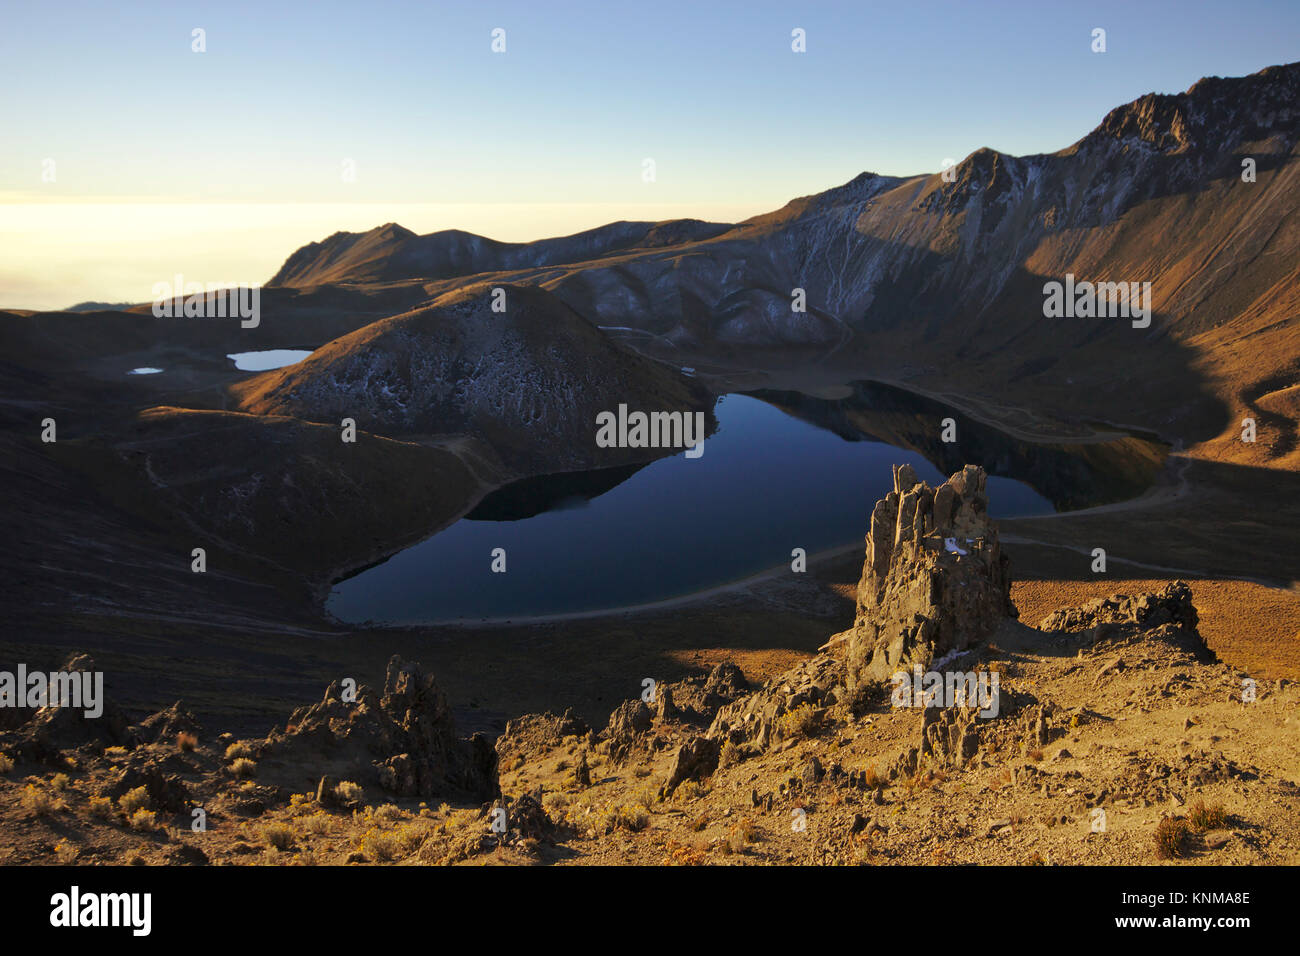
300,803
923,780
381,845
6,764
430,852
101,807
133,800
388,813
279,835
690,790
348,793
731,755
1171,837
243,767
631,818
59,782
411,836
318,824
804,721
144,820
238,750
40,802
66,854
680,854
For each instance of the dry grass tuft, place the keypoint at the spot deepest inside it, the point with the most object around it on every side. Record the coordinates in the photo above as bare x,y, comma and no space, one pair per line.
1171,838
1205,817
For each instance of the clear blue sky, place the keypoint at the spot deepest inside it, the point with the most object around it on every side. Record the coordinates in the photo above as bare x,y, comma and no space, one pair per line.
586,90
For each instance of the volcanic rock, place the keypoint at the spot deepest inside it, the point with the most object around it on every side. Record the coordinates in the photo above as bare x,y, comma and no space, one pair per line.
934,581
403,741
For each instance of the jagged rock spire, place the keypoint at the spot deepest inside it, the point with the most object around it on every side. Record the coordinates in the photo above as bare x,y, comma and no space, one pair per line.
934,580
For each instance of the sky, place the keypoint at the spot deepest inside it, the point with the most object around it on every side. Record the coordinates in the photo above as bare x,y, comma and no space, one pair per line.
220,163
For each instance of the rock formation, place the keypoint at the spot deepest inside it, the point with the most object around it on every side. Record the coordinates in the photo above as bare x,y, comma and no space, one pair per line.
1170,605
403,741
935,580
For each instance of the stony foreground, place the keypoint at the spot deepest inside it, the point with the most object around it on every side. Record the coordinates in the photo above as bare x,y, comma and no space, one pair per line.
1114,736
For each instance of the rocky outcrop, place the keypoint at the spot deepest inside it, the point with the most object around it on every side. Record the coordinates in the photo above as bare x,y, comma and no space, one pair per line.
1172,604
627,724
533,734
755,721
698,699
167,724
167,791
935,580
43,733
403,741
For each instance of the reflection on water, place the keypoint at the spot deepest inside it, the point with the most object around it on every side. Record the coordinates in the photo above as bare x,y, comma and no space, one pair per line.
1070,474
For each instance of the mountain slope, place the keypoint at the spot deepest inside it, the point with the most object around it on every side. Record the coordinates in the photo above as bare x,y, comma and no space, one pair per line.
939,280
528,381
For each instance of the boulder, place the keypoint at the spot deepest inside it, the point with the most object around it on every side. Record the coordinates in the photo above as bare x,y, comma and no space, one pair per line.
695,760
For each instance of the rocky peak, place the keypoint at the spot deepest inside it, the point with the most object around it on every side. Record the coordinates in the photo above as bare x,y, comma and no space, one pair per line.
1214,110
985,173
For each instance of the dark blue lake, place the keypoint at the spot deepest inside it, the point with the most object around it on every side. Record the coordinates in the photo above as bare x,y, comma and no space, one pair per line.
767,483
